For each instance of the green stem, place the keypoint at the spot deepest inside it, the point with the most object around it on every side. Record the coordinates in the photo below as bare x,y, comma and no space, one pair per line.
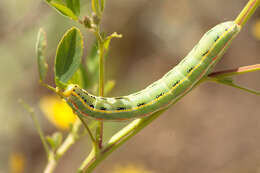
101,69
51,164
38,127
99,131
70,140
247,12
94,143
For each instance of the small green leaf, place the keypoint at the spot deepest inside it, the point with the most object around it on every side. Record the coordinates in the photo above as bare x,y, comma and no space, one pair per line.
55,140
41,44
108,39
62,9
74,5
68,56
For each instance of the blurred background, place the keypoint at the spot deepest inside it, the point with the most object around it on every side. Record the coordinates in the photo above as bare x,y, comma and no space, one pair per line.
215,128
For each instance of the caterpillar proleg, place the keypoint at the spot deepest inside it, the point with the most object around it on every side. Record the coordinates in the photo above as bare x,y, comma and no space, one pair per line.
162,93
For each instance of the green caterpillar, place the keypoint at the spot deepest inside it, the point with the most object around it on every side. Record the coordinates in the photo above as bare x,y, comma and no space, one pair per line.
162,93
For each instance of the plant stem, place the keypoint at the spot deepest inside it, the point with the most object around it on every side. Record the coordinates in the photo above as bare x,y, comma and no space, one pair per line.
37,125
94,143
101,69
247,12
51,164
235,71
99,131
70,140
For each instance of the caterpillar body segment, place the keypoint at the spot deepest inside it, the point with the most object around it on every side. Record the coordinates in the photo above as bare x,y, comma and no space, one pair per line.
162,93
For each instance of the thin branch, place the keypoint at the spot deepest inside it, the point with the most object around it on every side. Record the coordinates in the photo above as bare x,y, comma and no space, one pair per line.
235,71
37,125
247,12
222,77
99,132
94,143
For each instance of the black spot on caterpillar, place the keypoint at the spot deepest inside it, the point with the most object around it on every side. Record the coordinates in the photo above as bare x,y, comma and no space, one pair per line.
216,39
175,83
159,95
93,97
91,106
205,53
103,108
140,104
119,98
189,70
120,108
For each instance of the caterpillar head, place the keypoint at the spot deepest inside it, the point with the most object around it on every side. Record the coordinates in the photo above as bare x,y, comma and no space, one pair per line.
67,92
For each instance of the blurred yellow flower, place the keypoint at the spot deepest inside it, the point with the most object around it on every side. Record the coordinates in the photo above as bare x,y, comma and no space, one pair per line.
130,168
16,162
57,111
256,29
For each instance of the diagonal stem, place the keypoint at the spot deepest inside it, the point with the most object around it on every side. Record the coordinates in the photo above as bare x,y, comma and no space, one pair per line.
235,71
247,12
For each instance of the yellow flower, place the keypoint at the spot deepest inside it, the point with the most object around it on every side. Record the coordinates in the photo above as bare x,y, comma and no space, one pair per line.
57,111
130,168
256,29
16,162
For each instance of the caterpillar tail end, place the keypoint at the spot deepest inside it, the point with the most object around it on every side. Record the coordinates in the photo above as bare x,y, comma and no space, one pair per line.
67,92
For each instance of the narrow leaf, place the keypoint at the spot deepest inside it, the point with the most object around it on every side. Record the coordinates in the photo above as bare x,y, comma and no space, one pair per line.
230,82
108,39
55,140
68,56
41,44
74,5
62,9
